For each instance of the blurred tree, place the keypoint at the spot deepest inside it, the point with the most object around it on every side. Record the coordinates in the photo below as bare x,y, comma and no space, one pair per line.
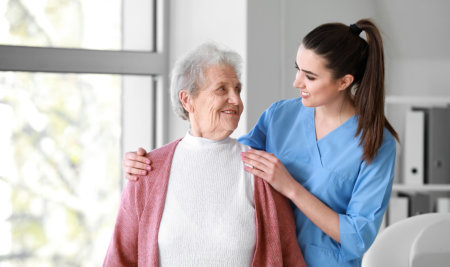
60,164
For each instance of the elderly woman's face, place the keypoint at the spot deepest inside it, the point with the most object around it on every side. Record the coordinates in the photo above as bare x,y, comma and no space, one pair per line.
216,108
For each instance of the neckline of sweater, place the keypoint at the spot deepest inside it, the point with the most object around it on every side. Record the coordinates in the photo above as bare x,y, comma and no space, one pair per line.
201,142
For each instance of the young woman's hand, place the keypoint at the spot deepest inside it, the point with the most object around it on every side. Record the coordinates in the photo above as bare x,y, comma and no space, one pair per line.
134,164
270,168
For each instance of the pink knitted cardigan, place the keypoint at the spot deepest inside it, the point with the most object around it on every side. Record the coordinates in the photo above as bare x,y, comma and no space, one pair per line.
135,237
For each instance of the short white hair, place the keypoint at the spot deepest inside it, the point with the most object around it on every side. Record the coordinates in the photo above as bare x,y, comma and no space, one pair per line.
188,72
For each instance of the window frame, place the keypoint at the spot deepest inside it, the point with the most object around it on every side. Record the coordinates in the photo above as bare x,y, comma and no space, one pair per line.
149,68
122,62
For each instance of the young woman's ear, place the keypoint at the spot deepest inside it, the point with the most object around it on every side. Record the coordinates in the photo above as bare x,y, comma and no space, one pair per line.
345,81
185,99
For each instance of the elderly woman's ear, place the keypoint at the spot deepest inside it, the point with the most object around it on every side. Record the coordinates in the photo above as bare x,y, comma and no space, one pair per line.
185,99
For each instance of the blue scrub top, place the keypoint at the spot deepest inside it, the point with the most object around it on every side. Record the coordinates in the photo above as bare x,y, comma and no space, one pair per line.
333,171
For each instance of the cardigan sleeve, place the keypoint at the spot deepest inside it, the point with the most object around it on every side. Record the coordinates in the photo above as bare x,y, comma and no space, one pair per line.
134,240
292,255
123,248
276,242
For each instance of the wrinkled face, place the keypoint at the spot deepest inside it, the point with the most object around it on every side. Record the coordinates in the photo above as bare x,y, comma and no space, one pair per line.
316,83
215,110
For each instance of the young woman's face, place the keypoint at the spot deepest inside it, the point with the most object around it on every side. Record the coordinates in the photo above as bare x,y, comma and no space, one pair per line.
316,83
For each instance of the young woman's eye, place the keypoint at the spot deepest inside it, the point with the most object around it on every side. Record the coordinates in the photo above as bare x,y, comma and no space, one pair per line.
311,78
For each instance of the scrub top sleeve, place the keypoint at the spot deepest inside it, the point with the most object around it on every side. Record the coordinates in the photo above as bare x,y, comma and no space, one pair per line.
256,138
372,190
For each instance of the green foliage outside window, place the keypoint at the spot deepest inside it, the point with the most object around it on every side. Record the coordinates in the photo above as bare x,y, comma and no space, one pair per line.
60,136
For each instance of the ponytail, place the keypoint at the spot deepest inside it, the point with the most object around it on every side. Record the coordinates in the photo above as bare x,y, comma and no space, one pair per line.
347,53
370,93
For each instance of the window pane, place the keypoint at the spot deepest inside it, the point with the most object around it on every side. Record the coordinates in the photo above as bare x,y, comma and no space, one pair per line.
88,24
60,177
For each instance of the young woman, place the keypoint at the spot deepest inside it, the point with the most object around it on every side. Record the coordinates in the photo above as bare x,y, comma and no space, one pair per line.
332,151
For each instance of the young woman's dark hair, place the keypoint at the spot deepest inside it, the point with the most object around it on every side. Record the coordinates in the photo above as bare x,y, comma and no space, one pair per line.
347,53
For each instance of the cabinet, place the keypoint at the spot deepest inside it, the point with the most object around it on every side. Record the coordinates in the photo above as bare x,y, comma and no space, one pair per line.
410,198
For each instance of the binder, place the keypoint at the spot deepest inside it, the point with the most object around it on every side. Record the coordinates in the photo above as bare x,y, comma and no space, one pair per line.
414,148
398,209
419,203
383,224
438,146
443,205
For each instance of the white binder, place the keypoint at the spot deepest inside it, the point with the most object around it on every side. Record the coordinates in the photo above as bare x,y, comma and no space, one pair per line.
413,165
398,209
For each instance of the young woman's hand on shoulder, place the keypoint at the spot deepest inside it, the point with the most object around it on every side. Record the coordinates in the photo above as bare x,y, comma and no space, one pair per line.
135,164
268,167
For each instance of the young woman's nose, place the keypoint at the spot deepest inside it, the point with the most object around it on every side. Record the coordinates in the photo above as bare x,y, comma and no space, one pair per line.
299,80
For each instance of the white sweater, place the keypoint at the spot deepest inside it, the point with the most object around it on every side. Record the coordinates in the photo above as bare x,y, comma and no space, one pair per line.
209,215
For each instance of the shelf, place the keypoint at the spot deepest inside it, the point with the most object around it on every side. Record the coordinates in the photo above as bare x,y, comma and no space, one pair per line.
422,188
418,100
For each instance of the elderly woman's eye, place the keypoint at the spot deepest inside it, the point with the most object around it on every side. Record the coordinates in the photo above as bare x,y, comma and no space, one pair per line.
221,90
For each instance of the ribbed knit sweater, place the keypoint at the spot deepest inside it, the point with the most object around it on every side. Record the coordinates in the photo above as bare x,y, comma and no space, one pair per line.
209,213
135,238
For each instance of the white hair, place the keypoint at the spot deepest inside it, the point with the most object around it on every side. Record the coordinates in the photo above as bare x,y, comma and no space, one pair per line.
188,72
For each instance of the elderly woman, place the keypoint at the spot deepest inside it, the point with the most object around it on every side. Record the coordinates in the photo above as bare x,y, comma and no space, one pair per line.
199,207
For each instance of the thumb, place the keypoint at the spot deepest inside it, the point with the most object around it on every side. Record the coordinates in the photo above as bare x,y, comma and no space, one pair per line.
141,152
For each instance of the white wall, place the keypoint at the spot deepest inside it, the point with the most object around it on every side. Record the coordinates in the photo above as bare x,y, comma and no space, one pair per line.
267,33
414,34
303,16
264,53
417,46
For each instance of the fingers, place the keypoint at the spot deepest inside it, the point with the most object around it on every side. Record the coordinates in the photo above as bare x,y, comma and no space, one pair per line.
256,161
132,170
136,165
255,172
133,156
132,173
261,153
131,178
268,167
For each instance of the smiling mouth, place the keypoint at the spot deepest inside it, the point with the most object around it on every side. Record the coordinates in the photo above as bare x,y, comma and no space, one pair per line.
303,93
230,112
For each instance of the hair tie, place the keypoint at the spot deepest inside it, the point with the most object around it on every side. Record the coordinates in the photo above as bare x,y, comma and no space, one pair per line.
355,29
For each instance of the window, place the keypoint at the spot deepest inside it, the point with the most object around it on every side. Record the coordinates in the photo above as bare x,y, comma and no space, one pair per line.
74,76
60,166
93,24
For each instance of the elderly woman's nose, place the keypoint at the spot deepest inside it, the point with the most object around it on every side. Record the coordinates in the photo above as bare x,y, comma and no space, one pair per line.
234,97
